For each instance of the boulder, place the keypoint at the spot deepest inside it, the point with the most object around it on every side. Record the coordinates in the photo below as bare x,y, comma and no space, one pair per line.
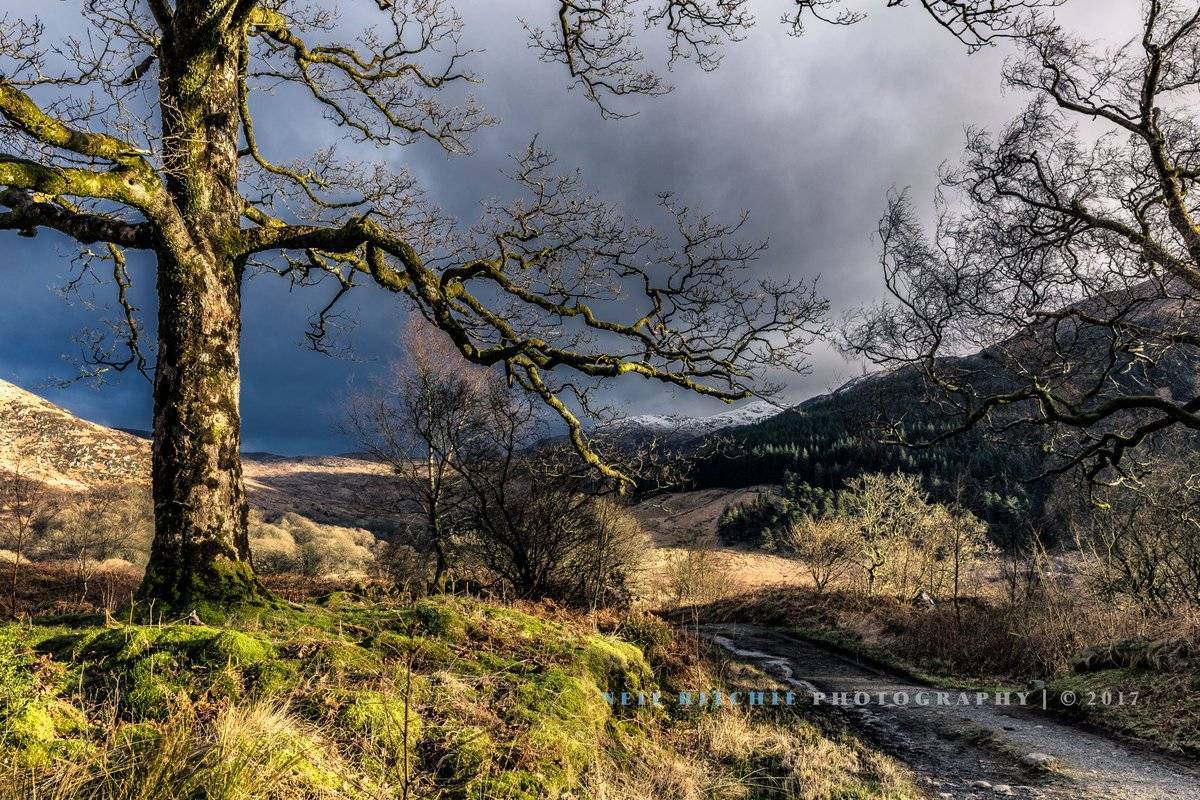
923,599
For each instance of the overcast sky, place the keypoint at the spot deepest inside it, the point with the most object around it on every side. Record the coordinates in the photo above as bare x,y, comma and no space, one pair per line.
806,134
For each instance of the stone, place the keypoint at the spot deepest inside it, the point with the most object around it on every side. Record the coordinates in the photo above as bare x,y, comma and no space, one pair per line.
923,599
1039,760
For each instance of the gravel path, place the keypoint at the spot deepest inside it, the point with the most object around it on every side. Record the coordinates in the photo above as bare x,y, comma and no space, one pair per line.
962,752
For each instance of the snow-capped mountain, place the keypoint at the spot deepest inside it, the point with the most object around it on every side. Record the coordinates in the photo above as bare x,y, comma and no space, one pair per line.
679,425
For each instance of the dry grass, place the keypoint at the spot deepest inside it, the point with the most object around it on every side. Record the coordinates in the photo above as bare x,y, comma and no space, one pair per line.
688,564
244,752
809,765
984,638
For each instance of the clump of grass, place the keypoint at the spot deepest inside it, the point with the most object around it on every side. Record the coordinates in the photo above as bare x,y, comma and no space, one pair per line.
787,757
1132,702
243,752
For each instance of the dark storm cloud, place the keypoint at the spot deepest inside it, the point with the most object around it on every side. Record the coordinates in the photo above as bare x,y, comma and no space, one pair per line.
807,134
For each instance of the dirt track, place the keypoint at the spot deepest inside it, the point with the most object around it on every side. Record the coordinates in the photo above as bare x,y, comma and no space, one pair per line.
963,751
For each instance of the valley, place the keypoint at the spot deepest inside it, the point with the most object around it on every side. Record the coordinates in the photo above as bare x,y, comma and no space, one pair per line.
740,611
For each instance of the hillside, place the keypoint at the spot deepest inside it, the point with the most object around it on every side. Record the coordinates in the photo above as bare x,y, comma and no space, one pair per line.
830,439
53,446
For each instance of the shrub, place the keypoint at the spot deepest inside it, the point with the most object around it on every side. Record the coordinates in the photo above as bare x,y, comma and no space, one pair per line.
826,549
293,543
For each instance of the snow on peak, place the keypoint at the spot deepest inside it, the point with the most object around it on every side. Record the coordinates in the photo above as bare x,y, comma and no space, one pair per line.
697,426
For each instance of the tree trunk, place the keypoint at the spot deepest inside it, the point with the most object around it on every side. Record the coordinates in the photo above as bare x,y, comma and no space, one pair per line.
201,549
201,552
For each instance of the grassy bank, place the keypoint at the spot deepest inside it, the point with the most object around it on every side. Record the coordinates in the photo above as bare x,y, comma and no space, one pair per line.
1141,678
446,698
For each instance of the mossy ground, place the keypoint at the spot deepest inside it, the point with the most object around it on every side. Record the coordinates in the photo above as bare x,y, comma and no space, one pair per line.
446,697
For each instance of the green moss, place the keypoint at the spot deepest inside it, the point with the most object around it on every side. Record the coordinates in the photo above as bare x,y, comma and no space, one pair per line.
43,719
340,659
513,784
277,678
238,649
154,684
137,734
525,625
616,665
439,619
136,642
516,700
338,600
567,715
16,670
470,755
387,723
423,651
214,589
33,723
68,646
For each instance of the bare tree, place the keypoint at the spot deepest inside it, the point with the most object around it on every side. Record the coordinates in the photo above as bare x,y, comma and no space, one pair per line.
138,133
419,423
598,42
525,505
1066,251
1142,542
540,519
24,504
826,547
605,572
953,543
110,521
887,510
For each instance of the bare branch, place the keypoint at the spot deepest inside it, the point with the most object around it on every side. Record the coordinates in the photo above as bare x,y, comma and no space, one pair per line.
1058,303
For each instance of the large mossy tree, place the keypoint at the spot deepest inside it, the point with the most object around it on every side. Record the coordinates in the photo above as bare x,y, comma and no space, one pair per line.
138,134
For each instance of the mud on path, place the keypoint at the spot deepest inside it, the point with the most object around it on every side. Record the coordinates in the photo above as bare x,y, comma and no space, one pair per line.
968,751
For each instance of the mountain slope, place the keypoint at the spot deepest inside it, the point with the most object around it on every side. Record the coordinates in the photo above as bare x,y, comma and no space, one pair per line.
831,439
51,445
58,449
